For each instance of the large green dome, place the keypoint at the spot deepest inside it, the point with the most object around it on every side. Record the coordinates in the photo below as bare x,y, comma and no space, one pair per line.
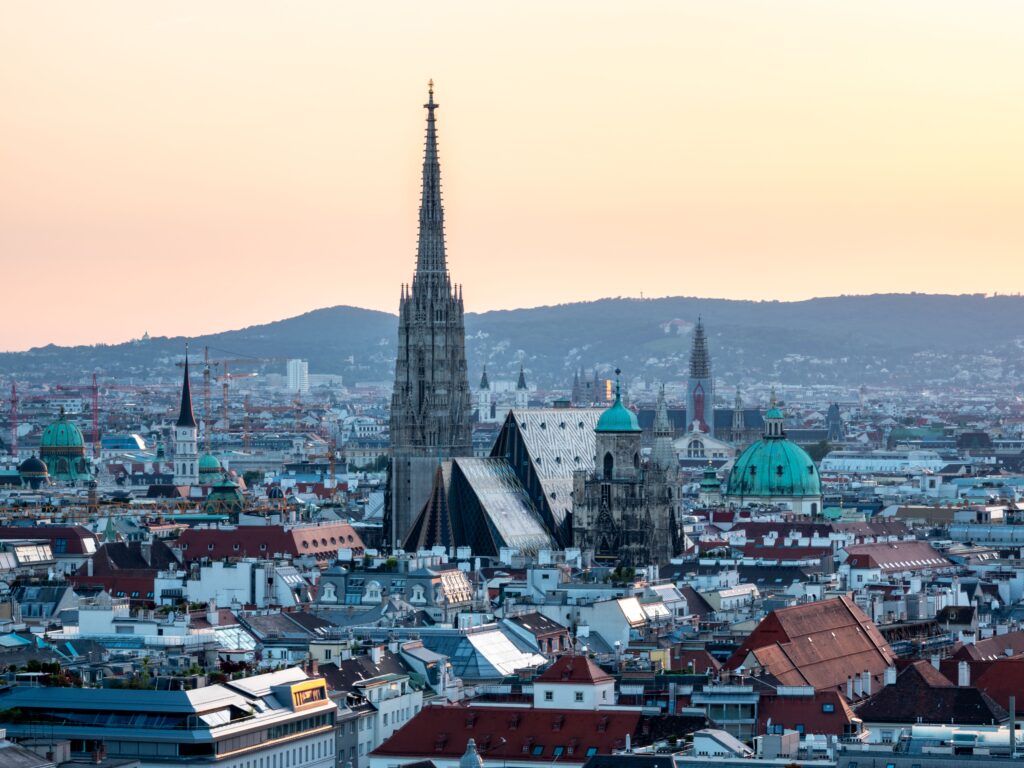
62,435
774,467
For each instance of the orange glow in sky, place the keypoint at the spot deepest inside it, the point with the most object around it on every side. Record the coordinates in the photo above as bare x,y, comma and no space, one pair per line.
184,167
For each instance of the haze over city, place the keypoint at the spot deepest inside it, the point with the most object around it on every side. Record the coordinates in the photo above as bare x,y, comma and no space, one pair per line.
263,158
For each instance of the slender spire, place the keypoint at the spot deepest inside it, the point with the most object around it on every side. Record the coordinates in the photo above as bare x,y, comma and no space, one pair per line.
663,454
521,384
186,418
700,360
662,426
484,383
430,254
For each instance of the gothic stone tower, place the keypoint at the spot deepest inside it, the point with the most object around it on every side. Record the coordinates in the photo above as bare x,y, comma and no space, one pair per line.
186,449
700,396
430,404
619,514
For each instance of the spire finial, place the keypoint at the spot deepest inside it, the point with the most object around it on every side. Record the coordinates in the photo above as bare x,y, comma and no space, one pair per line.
618,384
772,400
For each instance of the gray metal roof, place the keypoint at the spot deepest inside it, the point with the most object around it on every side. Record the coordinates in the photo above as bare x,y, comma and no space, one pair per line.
507,506
559,441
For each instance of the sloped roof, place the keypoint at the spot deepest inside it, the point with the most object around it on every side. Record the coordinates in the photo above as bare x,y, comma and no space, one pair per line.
321,541
441,732
559,442
511,516
808,711
818,644
922,694
896,557
574,669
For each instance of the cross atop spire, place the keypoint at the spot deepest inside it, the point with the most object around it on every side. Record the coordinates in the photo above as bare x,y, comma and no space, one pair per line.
430,253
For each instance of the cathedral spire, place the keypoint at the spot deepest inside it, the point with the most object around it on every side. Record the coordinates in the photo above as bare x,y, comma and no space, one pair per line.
700,360
663,453
430,254
186,418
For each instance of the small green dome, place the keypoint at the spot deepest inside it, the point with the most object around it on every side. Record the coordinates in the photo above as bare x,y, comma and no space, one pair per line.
710,479
774,413
774,467
61,435
208,464
618,418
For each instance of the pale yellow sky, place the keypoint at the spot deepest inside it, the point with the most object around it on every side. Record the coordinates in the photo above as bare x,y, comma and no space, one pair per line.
184,167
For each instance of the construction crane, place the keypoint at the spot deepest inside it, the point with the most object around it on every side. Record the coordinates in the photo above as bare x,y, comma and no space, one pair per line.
226,363
14,418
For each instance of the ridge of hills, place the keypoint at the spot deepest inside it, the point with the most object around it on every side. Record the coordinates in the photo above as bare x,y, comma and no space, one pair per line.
895,339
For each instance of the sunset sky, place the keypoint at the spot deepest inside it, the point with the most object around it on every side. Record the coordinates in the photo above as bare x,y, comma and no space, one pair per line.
193,166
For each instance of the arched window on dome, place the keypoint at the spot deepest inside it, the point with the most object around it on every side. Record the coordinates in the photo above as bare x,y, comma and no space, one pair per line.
695,449
62,466
609,465
814,507
636,461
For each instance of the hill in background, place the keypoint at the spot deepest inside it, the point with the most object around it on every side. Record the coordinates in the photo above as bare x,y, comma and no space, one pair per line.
902,339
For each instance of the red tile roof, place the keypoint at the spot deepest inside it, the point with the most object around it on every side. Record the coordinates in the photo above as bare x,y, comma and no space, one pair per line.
441,732
818,644
321,541
574,669
74,537
992,648
808,711
897,557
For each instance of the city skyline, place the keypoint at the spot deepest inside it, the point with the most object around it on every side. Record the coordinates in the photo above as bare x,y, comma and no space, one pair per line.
667,149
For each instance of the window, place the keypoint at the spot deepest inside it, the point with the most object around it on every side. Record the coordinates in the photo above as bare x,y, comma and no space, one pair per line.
828,707
538,750
591,751
579,695
799,728
557,751
549,695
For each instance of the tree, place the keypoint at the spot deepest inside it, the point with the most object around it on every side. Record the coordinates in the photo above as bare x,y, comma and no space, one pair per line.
819,450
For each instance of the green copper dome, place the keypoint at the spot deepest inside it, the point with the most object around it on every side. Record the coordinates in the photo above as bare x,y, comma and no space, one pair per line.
774,466
618,418
62,435
208,464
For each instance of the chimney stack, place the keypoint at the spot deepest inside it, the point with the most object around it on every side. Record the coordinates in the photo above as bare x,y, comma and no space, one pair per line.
890,675
867,683
858,686
849,688
935,660
963,674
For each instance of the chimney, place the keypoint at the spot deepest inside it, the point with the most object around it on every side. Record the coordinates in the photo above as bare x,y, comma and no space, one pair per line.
867,683
629,744
376,654
146,550
935,660
858,686
963,674
212,615
314,668
88,567
890,675
849,688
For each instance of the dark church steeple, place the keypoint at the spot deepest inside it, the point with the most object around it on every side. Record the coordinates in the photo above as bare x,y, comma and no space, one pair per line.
186,417
430,403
